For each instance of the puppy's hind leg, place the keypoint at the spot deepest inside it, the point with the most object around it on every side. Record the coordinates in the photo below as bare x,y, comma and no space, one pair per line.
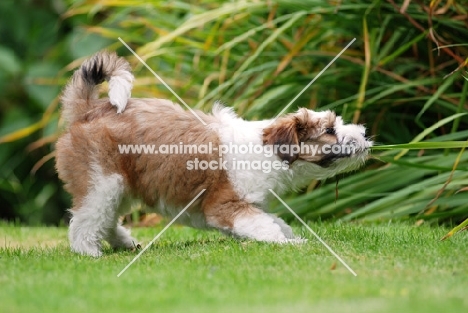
119,236
97,215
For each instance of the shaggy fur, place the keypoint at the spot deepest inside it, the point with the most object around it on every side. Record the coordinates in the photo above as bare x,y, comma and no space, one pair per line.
102,179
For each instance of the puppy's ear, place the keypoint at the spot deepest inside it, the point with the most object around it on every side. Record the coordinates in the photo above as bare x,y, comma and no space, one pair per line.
285,133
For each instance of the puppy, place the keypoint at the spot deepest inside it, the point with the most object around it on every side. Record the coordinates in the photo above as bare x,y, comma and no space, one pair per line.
104,159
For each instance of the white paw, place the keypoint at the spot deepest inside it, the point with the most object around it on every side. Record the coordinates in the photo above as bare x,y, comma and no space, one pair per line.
297,241
127,244
87,248
120,238
293,241
285,228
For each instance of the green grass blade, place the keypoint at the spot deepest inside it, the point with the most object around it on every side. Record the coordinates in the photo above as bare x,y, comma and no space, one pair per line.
424,145
456,229
429,130
448,82
402,49
267,42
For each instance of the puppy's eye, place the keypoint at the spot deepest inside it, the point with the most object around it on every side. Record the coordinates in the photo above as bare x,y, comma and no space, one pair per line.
330,131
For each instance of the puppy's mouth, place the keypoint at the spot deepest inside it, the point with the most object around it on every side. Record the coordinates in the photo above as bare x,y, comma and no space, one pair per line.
329,159
330,154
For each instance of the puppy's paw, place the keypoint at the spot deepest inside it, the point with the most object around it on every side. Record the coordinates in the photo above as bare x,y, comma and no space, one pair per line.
136,247
294,241
87,248
298,241
120,238
285,228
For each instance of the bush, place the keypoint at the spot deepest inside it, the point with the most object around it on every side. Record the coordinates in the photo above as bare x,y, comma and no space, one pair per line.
402,75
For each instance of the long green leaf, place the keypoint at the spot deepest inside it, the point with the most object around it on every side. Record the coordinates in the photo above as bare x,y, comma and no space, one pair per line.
424,145
430,130
448,82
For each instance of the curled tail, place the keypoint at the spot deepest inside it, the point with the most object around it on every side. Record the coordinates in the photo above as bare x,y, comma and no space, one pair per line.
82,88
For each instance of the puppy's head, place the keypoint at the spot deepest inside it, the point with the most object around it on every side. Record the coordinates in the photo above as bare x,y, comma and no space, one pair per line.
319,138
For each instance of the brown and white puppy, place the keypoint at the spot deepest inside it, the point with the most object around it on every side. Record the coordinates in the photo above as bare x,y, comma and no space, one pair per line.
101,160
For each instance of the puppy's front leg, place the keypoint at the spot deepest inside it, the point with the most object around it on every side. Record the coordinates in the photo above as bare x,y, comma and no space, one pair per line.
258,225
243,220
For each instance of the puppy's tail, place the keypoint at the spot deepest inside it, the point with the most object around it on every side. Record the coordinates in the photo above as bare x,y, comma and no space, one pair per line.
82,88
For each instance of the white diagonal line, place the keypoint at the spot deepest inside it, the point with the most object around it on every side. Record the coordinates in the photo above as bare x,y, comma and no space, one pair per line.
162,81
313,233
160,233
313,80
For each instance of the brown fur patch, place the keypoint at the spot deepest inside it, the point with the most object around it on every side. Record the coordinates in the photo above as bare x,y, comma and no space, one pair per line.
298,129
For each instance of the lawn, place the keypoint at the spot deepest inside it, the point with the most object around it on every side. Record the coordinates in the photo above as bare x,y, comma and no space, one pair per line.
400,267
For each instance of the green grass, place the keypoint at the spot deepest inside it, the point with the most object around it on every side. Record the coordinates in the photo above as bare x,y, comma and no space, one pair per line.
407,84
401,268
